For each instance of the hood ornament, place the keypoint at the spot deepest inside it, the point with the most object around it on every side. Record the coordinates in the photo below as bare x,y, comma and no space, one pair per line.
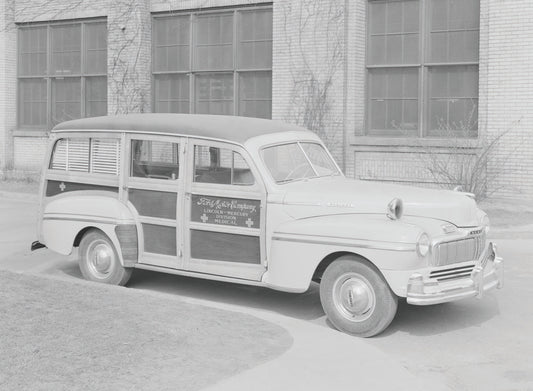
448,228
460,189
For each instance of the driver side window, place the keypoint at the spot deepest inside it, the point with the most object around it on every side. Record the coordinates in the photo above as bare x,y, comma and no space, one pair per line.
221,165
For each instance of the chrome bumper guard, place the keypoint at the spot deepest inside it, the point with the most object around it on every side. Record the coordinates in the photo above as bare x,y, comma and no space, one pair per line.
486,275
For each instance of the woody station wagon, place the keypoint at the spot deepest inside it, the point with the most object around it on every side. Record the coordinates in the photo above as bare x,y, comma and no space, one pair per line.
256,202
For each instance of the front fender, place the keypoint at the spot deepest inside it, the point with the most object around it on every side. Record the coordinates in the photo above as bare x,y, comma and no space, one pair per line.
299,246
64,217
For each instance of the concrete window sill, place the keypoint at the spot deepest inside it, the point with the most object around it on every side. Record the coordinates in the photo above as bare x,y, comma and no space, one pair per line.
30,133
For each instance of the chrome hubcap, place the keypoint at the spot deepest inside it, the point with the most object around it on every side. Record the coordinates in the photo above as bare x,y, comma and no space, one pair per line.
354,297
101,258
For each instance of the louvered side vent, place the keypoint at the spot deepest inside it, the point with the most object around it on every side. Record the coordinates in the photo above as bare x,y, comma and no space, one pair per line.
59,160
105,156
78,155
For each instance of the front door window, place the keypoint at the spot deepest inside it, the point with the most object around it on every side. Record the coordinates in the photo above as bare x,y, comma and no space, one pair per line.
220,165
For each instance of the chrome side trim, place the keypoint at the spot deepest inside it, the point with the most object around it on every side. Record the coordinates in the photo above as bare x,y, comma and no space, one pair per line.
288,234
82,219
339,243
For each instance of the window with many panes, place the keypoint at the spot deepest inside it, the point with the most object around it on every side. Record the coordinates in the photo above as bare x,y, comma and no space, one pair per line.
62,72
422,67
214,62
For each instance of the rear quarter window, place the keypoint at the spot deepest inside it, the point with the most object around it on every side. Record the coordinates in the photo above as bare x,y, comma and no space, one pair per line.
89,155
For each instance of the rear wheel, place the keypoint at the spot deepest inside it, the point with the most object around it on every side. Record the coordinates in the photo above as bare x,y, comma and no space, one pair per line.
356,298
99,260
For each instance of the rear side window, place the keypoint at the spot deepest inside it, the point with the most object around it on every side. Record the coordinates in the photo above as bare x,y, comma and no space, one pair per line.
155,159
90,155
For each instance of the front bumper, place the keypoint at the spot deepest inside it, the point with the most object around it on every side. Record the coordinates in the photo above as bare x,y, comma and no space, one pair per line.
487,274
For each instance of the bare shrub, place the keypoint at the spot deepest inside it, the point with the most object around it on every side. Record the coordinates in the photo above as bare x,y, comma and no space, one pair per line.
313,70
465,158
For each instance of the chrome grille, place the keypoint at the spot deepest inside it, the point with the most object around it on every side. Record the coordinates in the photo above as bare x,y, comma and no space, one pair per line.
452,273
461,250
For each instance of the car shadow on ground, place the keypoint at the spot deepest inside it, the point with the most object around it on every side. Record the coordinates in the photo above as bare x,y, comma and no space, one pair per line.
304,306
410,319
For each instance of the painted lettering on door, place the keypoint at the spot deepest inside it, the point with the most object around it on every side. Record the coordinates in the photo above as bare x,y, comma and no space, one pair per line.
235,212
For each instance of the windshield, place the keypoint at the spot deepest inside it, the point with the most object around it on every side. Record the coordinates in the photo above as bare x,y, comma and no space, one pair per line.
295,161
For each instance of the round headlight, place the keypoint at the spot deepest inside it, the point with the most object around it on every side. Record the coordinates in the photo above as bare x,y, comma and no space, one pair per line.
423,245
395,209
485,223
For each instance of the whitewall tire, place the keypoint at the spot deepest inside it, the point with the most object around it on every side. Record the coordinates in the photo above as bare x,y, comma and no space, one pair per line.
356,298
99,261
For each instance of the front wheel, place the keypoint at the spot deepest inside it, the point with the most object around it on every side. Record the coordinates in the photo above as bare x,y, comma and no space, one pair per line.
356,298
99,260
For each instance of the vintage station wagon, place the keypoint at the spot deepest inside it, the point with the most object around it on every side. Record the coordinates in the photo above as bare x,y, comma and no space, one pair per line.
256,202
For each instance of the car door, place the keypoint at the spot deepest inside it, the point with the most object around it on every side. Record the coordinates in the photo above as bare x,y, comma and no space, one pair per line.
225,213
153,187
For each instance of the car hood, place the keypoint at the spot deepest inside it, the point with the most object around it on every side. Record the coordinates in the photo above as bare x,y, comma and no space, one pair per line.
321,196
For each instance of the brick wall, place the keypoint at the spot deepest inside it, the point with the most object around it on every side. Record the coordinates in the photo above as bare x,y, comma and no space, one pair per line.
355,82
28,152
7,82
48,10
308,67
129,57
509,102
175,5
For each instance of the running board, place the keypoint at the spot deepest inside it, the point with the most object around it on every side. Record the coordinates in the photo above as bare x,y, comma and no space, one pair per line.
198,275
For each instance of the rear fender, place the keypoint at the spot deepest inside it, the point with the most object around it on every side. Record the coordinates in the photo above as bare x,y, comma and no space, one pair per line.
65,217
